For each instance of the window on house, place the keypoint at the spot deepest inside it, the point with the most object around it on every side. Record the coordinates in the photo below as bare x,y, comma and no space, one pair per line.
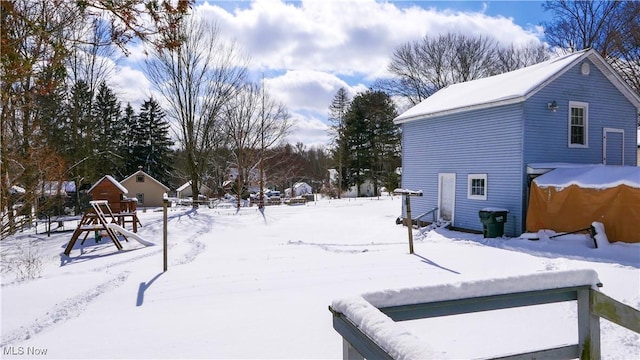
578,124
477,186
140,198
140,178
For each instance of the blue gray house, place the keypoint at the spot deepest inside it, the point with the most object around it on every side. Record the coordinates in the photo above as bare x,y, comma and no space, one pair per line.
478,144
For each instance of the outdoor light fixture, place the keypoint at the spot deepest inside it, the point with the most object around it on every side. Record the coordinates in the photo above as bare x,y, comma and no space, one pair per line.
553,106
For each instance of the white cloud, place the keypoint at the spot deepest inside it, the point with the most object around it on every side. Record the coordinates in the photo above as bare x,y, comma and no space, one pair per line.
309,130
307,89
316,47
346,37
131,86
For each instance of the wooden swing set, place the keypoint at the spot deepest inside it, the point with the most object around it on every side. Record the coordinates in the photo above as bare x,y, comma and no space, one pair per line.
95,220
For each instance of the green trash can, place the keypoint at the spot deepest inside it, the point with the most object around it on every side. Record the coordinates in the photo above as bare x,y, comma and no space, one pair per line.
493,220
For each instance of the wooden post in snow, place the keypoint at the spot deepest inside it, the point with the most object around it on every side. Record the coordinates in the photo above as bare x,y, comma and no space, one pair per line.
407,203
165,202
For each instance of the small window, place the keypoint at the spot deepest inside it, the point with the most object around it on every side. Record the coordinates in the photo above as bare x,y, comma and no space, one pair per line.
578,124
477,187
140,178
140,198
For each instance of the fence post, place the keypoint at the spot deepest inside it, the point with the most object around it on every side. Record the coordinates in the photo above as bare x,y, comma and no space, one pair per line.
409,222
349,352
588,327
165,202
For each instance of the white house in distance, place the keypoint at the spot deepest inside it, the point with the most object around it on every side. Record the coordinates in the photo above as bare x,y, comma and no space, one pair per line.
299,189
366,188
185,190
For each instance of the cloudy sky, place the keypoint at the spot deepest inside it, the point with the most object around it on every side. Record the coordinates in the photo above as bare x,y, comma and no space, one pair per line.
308,49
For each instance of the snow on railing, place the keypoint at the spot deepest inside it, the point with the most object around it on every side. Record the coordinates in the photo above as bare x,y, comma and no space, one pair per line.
369,323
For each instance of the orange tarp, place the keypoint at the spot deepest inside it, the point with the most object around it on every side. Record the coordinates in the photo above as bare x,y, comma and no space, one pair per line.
573,207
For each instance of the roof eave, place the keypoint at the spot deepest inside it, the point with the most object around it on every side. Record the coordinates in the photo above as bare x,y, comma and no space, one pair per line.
508,101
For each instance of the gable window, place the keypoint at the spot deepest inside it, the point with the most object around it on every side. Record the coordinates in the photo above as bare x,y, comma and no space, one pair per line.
477,186
578,124
140,178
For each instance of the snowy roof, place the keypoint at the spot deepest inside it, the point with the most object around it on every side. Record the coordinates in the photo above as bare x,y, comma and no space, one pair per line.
140,172
184,186
507,88
55,187
112,180
591,176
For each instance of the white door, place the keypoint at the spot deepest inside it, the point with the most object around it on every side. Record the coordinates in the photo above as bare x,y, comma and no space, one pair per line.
612,146
446,196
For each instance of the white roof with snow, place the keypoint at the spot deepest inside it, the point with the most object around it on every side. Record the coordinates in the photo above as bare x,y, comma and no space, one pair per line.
591,176
511,87
114,181
184,186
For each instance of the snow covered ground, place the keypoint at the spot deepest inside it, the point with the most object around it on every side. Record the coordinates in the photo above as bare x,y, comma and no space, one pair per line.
244,285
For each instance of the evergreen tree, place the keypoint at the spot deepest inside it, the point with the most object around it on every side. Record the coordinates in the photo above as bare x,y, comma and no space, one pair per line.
337,111
132,131
108,131
80,140
371,140
154,142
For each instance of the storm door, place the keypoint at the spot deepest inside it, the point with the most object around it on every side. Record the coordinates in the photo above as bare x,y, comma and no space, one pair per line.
446,196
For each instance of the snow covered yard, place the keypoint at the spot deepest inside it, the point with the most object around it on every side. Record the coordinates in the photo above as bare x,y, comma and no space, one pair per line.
244,285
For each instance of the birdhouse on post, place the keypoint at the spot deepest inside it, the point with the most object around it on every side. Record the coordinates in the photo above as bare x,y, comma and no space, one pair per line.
408,222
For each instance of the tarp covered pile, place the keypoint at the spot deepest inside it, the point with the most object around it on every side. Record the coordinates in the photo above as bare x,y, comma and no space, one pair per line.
571,198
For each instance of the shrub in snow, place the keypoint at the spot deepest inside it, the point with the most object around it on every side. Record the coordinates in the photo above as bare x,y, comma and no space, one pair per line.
27,263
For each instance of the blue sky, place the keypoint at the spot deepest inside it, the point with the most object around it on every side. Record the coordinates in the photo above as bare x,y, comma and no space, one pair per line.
308,49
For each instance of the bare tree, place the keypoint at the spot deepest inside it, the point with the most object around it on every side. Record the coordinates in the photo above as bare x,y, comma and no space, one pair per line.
90,57
32,49
197,80
610,27
423,67
514,57
252,123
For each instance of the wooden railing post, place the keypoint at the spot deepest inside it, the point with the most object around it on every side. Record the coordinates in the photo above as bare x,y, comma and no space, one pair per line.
588,328
349,352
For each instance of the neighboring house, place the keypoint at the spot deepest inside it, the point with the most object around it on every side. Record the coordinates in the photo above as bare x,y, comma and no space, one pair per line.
108,188
185,190
476,144
300,188
148,191
63,188
366,188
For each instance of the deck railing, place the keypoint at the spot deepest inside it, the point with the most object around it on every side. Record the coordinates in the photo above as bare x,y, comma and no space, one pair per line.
361,341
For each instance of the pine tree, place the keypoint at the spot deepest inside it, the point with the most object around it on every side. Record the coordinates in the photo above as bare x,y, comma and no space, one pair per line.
337,111
131,130
154,143
107,131
81,141
371,140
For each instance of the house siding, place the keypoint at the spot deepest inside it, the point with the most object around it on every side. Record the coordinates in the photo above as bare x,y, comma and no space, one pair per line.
502,140
547,131
486,141
152,190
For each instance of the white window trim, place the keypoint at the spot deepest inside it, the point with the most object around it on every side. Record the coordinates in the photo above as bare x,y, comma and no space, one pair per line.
472,177
585,106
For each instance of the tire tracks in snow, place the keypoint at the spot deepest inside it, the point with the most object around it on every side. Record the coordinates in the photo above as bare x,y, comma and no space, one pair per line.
64,311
